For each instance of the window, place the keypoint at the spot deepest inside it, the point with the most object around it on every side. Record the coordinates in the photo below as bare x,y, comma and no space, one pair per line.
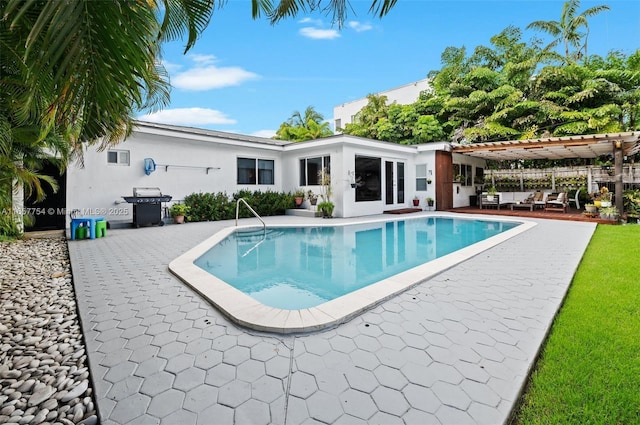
479,179
462,174
421,176
249,168
368,183
338,124
265,171
118,157
310,169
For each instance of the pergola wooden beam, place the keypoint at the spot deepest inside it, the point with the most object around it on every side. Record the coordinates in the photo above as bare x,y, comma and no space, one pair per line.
584,146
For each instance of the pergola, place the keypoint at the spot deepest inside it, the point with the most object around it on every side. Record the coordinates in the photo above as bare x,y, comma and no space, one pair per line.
587,146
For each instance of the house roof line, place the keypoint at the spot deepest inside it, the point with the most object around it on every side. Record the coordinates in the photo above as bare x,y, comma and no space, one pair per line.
140,125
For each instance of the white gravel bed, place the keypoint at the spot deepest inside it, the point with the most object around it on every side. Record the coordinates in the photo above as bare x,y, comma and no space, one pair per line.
44,375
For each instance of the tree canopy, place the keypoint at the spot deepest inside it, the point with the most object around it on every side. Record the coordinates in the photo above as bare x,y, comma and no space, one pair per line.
74,73
515,89
300,127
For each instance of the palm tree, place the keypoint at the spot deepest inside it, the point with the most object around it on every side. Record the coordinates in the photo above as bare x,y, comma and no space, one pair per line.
299,127
567,30
339,8
81,68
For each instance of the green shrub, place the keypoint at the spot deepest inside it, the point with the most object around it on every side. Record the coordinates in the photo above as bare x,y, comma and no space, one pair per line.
219,206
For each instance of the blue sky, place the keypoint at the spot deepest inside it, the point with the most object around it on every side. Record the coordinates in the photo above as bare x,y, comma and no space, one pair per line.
247,76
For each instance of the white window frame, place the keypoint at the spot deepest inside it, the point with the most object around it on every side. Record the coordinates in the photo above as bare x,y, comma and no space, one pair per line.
257,169
421,176
121,154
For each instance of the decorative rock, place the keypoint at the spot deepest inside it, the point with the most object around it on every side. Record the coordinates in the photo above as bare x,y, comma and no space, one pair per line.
27,385
8,410
91,420
41,416
76,392
42,352
78,413
50,404
41,395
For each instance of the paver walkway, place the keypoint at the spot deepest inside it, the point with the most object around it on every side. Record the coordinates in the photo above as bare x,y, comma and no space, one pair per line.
455,349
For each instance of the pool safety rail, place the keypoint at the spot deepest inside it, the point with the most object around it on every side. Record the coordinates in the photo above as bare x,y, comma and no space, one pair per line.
264,226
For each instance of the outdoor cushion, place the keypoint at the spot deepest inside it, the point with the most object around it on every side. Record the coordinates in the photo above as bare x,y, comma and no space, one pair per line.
538,196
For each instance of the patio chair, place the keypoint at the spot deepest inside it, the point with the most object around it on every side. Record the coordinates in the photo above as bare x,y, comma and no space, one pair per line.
540,199
559,203
576,200
487,200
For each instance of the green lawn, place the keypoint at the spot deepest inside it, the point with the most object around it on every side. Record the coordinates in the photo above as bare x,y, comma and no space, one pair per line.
589,370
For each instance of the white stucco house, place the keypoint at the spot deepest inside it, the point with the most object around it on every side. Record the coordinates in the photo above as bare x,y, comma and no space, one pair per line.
386,176
344,113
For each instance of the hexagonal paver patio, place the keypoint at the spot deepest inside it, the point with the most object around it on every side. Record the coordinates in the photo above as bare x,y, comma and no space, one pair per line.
454,349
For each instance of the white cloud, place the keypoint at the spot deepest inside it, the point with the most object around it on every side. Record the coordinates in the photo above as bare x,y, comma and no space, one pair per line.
211,77
316,22
264,133
359,26
202,59
319,34
170,66
188,116
205,75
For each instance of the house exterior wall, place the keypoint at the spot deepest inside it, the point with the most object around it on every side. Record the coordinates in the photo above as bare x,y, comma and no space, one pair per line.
408,93
98,187
461,193
189,161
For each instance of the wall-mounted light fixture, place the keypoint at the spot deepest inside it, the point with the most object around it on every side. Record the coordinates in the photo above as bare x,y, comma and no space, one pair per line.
618,144
352,178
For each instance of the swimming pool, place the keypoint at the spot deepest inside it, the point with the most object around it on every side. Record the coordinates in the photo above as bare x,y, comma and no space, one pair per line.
292,279
301,267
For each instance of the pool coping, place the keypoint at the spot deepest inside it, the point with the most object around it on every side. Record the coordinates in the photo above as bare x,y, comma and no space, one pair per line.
242,309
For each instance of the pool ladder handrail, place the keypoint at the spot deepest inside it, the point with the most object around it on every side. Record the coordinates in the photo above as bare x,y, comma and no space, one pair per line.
264,226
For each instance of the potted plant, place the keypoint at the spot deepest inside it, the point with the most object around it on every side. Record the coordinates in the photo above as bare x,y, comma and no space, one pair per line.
430,201
299,197
605,197
312,197
609,213
416,201
491,193
327,208
590,208
178,211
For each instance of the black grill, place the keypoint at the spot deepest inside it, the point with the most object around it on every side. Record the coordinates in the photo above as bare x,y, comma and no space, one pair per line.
147,205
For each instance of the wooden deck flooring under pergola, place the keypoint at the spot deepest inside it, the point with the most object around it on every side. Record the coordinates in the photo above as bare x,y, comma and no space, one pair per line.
572,214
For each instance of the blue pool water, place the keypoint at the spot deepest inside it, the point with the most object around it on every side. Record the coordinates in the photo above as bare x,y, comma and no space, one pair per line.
300,267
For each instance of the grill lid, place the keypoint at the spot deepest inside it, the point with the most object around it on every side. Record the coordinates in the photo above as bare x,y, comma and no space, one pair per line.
146,192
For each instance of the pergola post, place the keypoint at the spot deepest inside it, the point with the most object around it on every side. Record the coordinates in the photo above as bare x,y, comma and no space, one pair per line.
618,157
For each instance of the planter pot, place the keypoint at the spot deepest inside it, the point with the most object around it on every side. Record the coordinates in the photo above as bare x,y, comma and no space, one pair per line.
598,204
416,202
298,201
430,203
178,219
313,201
605,204
590,208
353,185
491,198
